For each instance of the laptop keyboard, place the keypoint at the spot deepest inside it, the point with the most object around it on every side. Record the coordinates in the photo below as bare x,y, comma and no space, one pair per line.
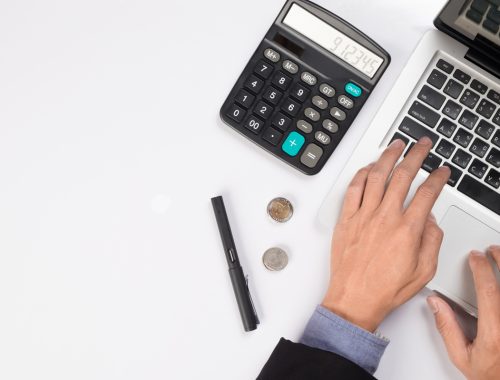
461,115
485,13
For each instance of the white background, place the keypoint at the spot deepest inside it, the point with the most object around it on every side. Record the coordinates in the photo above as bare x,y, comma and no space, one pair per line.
111,146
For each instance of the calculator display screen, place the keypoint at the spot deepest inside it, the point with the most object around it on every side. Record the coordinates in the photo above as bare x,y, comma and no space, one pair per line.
332,40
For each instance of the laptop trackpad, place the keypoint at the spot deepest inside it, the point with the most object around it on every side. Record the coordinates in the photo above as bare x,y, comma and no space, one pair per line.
462,234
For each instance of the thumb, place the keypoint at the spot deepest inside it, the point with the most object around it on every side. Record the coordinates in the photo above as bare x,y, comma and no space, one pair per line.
454,339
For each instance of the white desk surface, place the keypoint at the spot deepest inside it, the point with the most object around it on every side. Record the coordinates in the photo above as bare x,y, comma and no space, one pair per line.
111,146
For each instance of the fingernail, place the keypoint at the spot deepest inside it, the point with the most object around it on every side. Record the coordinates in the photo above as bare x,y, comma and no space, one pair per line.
476,253
445,168
494,248
398,143
425,141
433,305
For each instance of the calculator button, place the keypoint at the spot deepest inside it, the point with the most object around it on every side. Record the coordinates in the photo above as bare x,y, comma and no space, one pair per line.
272,55
236,113
304,126
290,107
323,138
293,143
299,92
345,102
244,98
330,126
337,113
291,67
263,69
353,89
312,114
254,124
273,96
264,110
327,90
311,155
254,84
282,81
281,121
319,102
308,78
272,136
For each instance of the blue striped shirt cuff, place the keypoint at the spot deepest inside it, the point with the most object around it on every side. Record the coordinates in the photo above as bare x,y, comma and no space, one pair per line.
329,332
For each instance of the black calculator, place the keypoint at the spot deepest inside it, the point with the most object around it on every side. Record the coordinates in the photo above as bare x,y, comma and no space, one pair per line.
304,85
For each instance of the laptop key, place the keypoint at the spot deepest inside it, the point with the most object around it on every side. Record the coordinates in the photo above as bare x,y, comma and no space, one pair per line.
474,16
452,109
468,119
480,193
445,66
493,178
496,138
431,97
485,129
416,130
494,15
478,168
424,114
463,137
469,98
445,148
485,108
431,163
436,79
453,88
490,25
446,127
480,5
461,158
479,147
495,96
496,118
455,174
399,136
494,157
478,86
461,76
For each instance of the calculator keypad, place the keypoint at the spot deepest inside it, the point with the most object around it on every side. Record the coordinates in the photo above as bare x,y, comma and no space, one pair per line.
291,110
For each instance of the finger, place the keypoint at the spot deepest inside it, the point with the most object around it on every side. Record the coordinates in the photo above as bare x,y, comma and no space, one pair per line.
379,174
487,290
494,251
426,195
432,237
454,339
405,173
354,193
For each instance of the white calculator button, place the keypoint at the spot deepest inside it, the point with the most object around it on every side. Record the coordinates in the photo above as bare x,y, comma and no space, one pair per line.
323,138
345,102
319,102
291,67
304,126
308,78
330,126
327,90
337,113
272,55
312,114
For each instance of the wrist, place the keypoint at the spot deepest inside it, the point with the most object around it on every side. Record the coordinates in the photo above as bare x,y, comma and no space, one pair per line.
357,313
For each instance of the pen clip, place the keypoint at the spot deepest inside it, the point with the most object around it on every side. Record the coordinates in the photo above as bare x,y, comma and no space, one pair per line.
251,301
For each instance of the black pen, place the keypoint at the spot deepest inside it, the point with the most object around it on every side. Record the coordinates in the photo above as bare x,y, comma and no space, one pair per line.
240,283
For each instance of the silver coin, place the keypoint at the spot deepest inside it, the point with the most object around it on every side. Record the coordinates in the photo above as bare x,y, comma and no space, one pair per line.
280,209
275,259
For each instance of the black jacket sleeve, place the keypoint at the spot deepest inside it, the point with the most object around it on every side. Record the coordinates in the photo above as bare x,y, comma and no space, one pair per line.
295,361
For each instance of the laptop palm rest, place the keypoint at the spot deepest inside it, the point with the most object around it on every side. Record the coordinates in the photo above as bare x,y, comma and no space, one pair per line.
462,233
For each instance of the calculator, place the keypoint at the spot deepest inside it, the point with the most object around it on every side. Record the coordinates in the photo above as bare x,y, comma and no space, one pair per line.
304,85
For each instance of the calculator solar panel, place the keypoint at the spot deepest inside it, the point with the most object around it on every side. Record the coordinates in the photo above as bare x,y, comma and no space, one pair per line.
304,85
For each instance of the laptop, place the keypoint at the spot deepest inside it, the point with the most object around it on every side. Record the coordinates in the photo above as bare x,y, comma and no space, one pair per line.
449,91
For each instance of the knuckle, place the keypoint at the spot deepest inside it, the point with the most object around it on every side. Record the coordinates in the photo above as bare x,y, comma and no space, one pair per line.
426,191
375,176
490,290
402,174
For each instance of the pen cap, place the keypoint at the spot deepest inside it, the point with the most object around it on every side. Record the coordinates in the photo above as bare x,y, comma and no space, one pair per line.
225,231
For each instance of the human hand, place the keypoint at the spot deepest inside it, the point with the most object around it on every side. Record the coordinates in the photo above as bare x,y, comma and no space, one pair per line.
383,253
479,359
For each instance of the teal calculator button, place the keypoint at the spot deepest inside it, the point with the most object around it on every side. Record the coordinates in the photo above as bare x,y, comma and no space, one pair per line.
293,143
353,90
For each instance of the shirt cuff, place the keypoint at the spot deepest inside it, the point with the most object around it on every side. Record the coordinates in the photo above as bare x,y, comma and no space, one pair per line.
327,331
